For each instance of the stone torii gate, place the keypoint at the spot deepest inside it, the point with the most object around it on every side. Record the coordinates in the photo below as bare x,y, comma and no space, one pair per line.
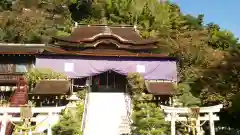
175,114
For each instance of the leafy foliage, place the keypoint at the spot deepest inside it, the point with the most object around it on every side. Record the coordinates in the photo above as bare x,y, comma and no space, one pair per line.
35,75
136,83
208,68
34,21
70,122
147,116
222,87
221,39
148,120
185,97
82,93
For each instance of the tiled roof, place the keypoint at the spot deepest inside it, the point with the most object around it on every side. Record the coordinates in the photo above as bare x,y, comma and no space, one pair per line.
160,88
6,48
52,87
103,52
92,33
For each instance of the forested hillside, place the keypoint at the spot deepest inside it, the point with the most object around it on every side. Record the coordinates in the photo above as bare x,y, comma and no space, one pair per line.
208,57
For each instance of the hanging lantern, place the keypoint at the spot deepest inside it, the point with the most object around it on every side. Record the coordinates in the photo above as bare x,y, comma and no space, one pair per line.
38,97
32,97
56,97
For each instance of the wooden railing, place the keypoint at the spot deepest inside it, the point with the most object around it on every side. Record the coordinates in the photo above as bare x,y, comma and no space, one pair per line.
14,68
7,68
10,77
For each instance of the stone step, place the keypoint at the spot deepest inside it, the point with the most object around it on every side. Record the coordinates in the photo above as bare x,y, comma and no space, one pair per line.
110,108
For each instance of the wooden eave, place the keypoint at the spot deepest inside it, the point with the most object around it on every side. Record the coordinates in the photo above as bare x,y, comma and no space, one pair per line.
160,88
51,87
10,78
70,39
101,52
21,50
107,41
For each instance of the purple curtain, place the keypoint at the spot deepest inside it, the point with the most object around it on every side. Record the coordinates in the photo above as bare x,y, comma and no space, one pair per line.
83,67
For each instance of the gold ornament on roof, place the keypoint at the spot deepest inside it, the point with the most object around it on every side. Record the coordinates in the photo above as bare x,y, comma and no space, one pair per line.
107,30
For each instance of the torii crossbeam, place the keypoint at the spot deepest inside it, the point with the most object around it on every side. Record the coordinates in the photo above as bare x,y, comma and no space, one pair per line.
173,115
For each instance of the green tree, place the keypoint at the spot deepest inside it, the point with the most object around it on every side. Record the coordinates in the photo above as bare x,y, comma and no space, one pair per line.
35,75
205,60
34,21
149,120
5,5
221,39
70,122
147,117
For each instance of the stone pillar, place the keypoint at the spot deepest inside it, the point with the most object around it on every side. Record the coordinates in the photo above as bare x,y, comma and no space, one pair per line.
198,126
211,124
49,130
4,124
173,120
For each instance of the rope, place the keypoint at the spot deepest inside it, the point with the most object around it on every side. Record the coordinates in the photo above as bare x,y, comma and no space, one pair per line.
28,128
195,114
190,125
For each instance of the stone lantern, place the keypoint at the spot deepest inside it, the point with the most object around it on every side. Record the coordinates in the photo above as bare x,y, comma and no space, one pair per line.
72,100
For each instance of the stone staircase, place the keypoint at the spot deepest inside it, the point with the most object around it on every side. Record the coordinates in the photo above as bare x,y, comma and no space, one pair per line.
106,114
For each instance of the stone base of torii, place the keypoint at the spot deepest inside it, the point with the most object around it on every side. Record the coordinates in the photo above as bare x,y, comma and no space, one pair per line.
174,115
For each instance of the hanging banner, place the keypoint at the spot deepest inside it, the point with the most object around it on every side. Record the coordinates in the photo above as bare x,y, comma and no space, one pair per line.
68,67
140,68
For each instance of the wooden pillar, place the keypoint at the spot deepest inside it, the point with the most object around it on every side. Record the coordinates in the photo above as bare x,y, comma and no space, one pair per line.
114,81
89,83
211,124
170,101
107,79
72,83
49,130
4,124
173,120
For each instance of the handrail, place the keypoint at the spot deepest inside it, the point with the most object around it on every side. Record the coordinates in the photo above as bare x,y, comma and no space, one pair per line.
85,110
128,107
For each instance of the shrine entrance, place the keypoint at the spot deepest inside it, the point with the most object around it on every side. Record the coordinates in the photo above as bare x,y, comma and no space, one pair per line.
107,103
192,118
109,81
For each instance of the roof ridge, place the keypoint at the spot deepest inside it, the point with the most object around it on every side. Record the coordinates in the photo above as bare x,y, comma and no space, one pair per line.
110,26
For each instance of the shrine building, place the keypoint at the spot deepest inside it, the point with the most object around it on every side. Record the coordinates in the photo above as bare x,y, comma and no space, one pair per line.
105,53
96,57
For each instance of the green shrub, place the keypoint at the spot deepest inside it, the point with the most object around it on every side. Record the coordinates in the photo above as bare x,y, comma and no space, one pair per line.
34,75
147,117
70,122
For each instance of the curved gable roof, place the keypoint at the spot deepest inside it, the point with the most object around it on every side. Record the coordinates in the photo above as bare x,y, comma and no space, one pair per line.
91,33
